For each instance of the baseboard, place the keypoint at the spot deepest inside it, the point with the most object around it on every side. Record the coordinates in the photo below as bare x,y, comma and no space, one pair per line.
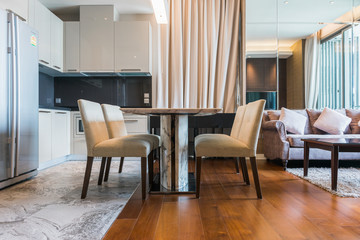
53,162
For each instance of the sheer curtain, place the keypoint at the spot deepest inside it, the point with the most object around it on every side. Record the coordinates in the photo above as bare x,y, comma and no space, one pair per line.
311,74
198,54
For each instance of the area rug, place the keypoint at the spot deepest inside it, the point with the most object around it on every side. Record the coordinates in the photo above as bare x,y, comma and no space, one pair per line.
49,205
348,180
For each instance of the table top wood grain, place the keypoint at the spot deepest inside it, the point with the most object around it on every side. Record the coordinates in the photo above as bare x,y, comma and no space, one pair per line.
172,111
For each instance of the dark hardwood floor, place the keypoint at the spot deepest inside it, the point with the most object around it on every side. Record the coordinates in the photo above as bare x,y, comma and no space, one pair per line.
291,208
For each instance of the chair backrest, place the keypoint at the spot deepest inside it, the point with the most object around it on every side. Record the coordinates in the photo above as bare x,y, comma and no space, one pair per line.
247,123
114,120
94,124
235,130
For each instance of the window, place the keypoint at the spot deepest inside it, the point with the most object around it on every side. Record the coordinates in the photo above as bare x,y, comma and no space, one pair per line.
340,70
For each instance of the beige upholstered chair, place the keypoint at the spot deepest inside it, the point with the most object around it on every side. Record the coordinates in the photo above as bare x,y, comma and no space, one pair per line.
242,142
115,123
100,145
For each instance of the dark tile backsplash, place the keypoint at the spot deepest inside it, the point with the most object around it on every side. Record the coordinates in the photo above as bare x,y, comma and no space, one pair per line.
122,91
46,90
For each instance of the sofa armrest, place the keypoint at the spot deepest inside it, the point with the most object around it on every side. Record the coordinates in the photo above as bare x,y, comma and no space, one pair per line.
275,141
275,125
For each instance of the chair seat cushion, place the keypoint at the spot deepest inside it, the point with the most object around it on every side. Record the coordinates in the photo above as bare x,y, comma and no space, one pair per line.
155,140
221,145
127,146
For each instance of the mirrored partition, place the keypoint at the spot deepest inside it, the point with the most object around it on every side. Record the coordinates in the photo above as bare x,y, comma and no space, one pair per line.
261,52
303,53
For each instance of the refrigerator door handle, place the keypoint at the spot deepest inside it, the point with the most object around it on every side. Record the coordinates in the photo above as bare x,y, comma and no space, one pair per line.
13,74
18,96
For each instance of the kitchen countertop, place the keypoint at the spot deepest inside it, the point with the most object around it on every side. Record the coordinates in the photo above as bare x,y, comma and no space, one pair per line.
55,108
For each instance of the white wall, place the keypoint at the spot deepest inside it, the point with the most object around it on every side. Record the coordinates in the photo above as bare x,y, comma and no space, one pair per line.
20,7
154,34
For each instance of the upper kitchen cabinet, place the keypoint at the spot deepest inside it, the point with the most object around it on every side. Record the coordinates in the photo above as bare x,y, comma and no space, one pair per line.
133,46
97,38
43,25
57,43
72,46
51,35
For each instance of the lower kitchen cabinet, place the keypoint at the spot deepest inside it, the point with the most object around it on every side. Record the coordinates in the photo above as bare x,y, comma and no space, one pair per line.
45,138
60,145
54,134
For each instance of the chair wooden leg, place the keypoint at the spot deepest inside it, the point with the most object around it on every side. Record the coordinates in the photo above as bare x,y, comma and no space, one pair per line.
151,167
198,173
102,168
143,177
244,170
121,164
237,165
256,177
89,163
107,171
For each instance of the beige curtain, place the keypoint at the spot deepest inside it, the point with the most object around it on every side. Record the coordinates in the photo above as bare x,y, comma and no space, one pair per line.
198,55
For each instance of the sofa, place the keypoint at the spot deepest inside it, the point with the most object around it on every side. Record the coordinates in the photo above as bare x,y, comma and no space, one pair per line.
280,144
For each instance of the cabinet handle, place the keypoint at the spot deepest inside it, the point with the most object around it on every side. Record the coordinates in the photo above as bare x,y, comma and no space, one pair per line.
57,67
42,111
131,120
43,61
72,70
131,70
60,112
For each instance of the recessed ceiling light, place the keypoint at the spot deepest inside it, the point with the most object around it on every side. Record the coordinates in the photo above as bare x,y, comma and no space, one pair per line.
286,2
332,2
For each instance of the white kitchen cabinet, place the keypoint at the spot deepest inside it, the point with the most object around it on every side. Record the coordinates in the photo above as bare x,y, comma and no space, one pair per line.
20,7
57,43
60,134
133,46
72,46
96,38
54,134
136,124
43,25
45,127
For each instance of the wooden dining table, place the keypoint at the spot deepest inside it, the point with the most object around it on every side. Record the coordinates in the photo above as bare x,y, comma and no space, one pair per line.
174,175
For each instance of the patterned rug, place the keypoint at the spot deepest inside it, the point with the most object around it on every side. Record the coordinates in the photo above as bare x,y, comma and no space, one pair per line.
49,205
348,180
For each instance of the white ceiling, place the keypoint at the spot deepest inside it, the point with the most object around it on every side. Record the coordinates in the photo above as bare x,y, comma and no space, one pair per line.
297,20
123,6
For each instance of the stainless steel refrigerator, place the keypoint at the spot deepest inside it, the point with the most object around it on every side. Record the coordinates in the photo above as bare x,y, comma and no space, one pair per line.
19,100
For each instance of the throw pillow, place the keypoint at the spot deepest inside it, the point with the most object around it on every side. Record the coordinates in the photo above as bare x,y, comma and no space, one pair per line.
294,122
313,116
332,122
355,119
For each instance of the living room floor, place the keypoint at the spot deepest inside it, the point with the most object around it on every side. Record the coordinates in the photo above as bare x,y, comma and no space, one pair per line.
291,208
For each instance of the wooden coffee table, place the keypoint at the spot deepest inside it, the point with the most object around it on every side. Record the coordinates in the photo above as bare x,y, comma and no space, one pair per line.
335,145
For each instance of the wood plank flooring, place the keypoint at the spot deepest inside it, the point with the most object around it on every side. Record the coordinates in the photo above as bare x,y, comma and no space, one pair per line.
291,208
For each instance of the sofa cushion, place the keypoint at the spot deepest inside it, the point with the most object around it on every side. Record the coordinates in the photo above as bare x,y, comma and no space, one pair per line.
295,139
315,114
355,118
294,122
275,115
332,121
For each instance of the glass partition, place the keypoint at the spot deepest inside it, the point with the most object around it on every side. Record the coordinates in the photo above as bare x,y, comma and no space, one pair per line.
288,27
